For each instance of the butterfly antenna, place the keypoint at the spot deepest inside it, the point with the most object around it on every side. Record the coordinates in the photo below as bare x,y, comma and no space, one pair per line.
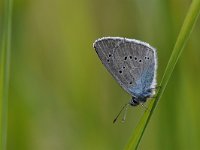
125,112
146,108
125,106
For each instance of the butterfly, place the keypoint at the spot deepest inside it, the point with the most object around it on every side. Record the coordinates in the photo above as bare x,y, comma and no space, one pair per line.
132,63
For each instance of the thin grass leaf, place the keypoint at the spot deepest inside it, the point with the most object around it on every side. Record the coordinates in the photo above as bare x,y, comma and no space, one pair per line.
4,74
184,34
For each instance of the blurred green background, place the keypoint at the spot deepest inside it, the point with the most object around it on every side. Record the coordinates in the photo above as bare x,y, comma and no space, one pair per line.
62,98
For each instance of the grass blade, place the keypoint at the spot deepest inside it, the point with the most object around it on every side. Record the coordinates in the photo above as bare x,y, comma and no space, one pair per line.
4,74
184,34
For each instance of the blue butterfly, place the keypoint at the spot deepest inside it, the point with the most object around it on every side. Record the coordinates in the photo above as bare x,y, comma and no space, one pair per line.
132,63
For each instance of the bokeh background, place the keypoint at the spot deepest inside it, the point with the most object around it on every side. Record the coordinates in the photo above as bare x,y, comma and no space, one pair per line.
62,98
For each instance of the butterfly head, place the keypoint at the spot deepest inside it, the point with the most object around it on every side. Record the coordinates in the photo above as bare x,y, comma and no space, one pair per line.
134,101
137,100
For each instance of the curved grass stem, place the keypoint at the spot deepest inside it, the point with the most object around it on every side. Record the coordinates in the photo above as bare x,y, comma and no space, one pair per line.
183,36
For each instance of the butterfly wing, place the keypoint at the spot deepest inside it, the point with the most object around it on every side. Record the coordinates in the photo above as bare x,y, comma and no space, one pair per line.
130,62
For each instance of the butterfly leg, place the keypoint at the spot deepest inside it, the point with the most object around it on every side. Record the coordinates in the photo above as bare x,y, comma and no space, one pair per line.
149,92
156,88
144,106
153,96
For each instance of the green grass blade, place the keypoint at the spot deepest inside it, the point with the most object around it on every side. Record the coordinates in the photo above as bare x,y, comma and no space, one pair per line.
4,74
184,34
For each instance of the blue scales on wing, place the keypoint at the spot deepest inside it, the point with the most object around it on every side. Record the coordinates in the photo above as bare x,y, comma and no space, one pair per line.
131,62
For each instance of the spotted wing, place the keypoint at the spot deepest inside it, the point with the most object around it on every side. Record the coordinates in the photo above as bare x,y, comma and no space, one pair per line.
130,62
